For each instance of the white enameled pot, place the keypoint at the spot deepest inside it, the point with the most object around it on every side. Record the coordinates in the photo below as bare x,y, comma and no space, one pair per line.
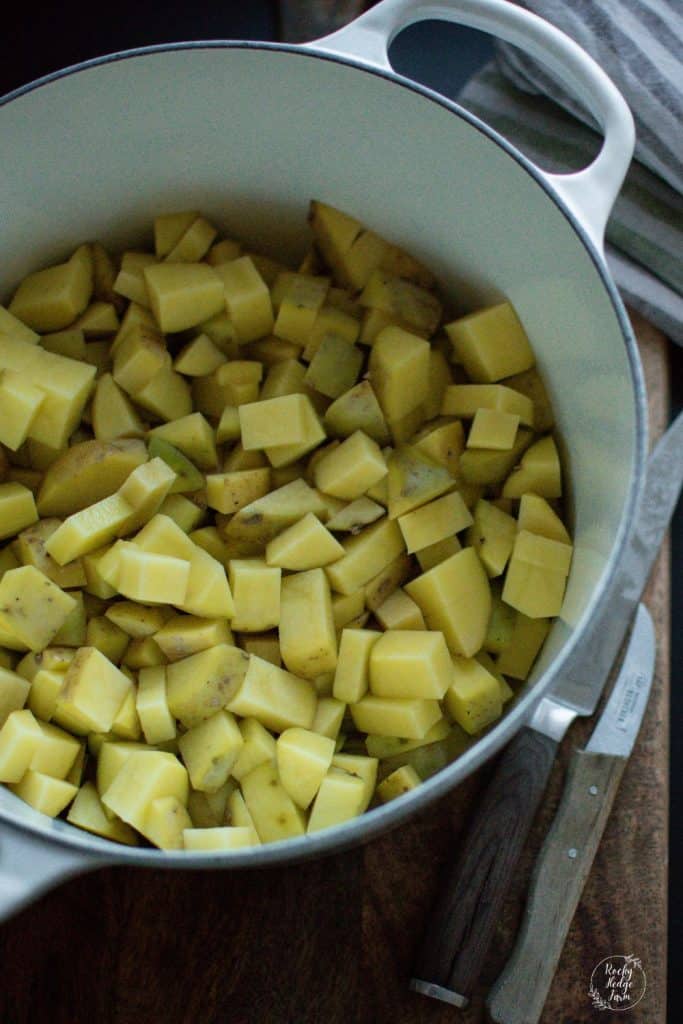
248,133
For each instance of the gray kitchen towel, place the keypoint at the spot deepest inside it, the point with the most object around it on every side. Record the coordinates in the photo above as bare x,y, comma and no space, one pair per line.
639,43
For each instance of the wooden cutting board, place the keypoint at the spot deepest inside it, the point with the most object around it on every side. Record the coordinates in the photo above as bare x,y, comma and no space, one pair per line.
332,942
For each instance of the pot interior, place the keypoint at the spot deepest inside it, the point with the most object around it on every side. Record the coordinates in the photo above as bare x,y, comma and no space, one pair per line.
248,134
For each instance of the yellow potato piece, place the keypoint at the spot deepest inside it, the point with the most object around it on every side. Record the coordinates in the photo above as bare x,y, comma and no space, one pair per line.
491,344
399,371
474,697
32,608
51,299
365,555
303,758
86,473
434,521
227,837
151,703
201,684
87,813
391,716
340,798
92,694
183,295
210,749
19,738
276,698
305,545
257,748
45,793
247,298
17,509
493,429
274,813
20,401
410,663
308,641
145,776
455,598
400,781
13,693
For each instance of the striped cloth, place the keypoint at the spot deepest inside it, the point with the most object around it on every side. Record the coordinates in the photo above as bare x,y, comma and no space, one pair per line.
639,43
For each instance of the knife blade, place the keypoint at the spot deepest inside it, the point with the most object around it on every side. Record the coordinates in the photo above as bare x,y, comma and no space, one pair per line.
461,926
567,855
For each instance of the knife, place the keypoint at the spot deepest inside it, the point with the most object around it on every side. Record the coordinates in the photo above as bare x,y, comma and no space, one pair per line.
467,909
567,855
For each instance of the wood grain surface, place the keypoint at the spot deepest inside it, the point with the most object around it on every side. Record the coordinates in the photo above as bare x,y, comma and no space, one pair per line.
332,942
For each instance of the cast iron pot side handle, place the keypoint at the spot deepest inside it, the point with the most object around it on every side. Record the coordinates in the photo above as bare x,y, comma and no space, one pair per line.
590,193
31,865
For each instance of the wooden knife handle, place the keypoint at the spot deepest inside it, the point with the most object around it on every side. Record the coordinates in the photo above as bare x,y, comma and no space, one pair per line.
460,929
561,870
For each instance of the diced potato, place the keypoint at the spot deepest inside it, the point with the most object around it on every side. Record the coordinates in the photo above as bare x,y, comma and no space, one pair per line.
210,750
130,280
87,813
347,607
304,545
264,518
155,579
406,300
169,228
55,752
20,401
537,574
530,383
492,536
264,645
146,776
398,611
434,521
273,811
329,716
143,653
139,357
184,635
13,693
30,549
183,295
399,371
274,422
86,473
258,748
167,395
351,468
443,443
210,810
32,608
45,793
229,492
413,480
226,837
127,721
194,243
539,472
51,299
199,357
365,556
536,516
92,693
501,627
277,699
465,400
256,593
455,598
285,378
378,589
517,658
357,409
390,716
284,454
491,344
340,798
203,683
354,516
247,298
165,823
192,435
474,697
17,509
303,758
490,466
389,746
308,640
399,782
300,306
335,366
113,414
152,705
72,632
493,429
12,327
410,663
53,659
19,739
331,320
351,678
99,319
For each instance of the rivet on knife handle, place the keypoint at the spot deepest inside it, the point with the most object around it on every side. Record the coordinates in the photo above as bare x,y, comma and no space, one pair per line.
461,926
520,992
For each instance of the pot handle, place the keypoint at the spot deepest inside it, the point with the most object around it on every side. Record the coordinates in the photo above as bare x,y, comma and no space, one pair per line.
590,193
31,865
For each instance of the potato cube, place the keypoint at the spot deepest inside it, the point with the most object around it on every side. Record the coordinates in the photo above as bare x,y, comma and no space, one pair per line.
303,758
285,378
354,516
203,683
491,344
44,793
143,653
235,383
335,366
51,299
139,357
399,371
465,400
19,739
165,823
443,444
410,663
155,579
199,357
247,298
329,716
17,509
72,631
169,228
412,304
390,746
237,813
87,472
351,468
492,535
530,383
331,320
474,697
144,490
482,466
518,656
229,492
398,611
228,428
537,516
20,401
13,693
32,608
92,693
89,529
264,645
536,577
539,471
167,395
277,699
184,635
273,422
87,813
493,429
137,620
365,556
340,798
273,811
258,747
113,414
151,704
209,810
146,776
183,295
455,598
390,716
99,319
400,781
55,752
434,521
52,659
308,641
264,518
357,409
284,454
256,592
351,677
413,480
194,243
12,327
304,545
130,280
222,838
300,306
111,757
210,749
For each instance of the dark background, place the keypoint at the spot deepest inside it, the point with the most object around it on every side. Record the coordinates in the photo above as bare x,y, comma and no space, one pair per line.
46,37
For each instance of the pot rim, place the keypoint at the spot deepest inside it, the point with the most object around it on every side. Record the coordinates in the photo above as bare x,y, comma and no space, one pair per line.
372,823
